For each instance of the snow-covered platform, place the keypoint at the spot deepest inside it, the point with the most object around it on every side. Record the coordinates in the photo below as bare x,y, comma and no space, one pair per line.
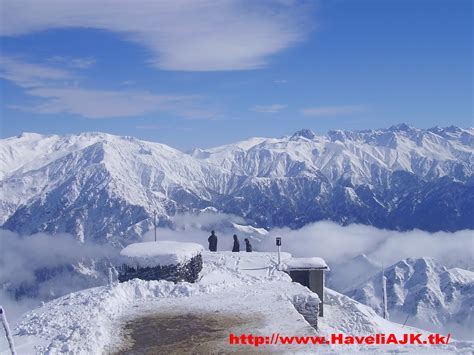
247,284
161,260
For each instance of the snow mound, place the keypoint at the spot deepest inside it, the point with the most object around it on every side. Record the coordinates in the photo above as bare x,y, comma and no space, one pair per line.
152,254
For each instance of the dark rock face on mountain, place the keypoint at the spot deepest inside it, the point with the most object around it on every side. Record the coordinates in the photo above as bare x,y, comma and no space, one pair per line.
103,187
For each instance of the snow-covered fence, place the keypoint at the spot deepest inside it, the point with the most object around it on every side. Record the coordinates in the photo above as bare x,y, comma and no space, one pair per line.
8,333
308,307
188,271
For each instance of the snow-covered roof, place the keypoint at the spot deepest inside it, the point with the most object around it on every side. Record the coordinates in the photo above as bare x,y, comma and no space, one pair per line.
306,263
150,254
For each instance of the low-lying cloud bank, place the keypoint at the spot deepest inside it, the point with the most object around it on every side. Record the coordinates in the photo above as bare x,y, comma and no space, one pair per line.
40,267
78,266
329,240
337,243
22,255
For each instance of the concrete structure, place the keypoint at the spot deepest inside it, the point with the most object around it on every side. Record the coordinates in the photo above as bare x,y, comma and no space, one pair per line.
163,260
309,272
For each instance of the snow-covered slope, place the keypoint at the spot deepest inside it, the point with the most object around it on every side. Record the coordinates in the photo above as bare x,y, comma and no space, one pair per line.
424,293
90,321
98,186
95,184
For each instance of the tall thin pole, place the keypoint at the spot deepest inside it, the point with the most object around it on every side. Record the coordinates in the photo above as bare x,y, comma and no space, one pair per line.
154,222
384,294
279,259
8,333
278,243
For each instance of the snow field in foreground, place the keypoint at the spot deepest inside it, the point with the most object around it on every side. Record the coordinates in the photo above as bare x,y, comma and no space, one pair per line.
89,321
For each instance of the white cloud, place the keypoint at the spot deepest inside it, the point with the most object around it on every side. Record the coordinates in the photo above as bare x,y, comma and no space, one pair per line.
338,243
104,103
57,91
275,108
282,81
29,75
194,35
329,240
25,254
332,110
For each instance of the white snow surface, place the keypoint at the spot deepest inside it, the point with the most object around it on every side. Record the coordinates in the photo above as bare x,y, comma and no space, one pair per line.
150,254
90,321
306,263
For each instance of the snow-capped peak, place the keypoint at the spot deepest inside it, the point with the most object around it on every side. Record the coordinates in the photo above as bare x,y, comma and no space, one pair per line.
306,133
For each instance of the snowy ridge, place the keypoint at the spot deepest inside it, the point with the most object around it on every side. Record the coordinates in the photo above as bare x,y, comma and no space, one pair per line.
352,155
100,186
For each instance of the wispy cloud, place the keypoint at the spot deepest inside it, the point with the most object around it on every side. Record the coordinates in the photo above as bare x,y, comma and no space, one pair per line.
204,35
77,63
322,111
57,91
281,81
103,103
275,108
29,75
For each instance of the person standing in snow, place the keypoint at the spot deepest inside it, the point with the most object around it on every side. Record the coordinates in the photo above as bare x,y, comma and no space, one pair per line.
212,241
236,247
248,246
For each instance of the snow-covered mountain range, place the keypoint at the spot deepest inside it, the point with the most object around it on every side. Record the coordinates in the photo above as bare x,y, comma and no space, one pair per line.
424,293
99,186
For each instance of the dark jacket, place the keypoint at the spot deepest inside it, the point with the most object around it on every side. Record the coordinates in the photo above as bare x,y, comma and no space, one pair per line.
212,242
248,246
236,247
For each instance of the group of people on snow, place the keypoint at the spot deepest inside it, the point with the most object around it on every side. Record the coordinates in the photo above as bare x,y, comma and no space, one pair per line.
236,248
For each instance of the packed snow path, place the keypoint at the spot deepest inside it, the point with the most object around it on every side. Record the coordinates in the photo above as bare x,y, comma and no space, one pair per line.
246,284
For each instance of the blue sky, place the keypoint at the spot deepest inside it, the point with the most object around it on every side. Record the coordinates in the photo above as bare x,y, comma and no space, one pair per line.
204,73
